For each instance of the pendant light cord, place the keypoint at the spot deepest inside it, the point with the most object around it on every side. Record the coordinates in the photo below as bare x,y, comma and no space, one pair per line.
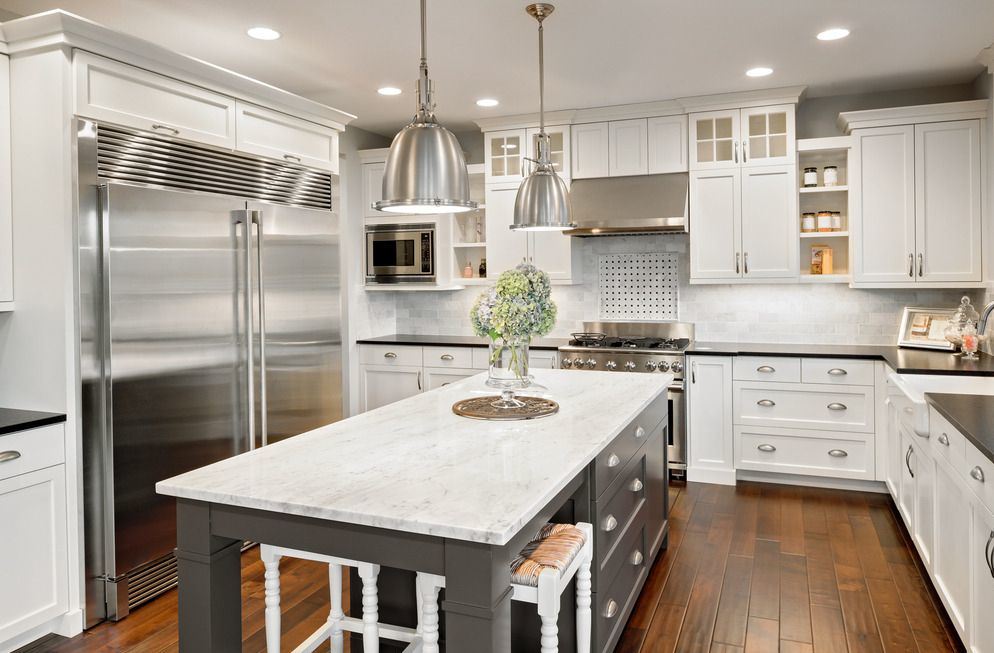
426,105
424,34
541,80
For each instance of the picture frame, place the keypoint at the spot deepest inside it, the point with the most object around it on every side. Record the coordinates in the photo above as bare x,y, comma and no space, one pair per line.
923,328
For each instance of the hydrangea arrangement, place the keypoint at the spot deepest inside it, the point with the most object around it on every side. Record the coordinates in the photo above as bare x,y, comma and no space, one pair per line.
517,308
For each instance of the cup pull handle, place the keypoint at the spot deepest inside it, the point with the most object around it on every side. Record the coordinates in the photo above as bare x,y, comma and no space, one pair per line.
637,558
836,406
7,456
768,448
613,460
447,357
943,439
636,485
167,128
837,371
838,453
290,157
389,354
610,609
977,474
640,432
765,369
767,403
609,524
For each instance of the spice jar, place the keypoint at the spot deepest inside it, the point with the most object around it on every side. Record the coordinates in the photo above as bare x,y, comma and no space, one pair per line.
830,176
824,220
836,221
810,177
808,224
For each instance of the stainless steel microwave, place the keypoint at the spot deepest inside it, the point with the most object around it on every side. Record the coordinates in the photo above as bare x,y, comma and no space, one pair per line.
400,253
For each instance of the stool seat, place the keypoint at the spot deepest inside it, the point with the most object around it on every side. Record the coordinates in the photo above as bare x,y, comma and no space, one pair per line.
555,547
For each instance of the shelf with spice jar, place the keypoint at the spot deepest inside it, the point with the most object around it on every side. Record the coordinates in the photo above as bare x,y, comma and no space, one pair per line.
823,202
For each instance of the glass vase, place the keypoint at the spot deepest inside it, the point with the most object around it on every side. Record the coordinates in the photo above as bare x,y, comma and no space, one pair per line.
509,363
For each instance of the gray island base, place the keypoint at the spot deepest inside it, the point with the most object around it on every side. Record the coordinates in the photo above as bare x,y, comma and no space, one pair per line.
413,487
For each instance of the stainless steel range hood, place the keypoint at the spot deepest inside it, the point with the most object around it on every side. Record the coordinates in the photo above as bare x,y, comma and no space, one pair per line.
630,205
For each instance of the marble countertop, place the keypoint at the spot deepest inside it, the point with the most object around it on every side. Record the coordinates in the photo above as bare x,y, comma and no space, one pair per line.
414,466
972,415
13,420
452,341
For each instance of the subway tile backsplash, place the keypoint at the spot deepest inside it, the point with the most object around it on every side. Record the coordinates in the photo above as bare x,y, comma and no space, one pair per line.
808,313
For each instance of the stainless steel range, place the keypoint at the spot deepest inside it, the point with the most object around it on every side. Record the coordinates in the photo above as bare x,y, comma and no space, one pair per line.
642,347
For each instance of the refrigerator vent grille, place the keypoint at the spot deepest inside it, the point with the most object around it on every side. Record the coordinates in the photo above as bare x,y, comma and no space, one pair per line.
138,157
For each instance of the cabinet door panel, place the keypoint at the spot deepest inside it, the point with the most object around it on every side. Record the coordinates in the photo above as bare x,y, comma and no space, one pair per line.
947,201
768,135
589,150
769,222
505,248
883,219
924,531
372,188
628,142
379,386
277,135
504,152
715,206
982,592
906,498
714,140
6,221
709,397
436,377
667,144
951,562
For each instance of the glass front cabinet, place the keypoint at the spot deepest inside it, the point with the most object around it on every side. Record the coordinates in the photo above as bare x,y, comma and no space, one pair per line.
505,152
758,136
558,148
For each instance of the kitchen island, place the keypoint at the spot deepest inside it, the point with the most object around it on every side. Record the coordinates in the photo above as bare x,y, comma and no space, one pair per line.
413,486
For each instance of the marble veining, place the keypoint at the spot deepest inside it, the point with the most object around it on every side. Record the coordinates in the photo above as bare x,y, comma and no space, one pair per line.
416,467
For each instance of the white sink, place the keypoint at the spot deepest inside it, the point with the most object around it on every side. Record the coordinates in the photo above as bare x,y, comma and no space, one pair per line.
914,387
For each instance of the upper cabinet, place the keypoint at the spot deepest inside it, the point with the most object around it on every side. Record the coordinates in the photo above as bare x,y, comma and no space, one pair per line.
622,148
505,152
279,136
6,223
757,136
667,149
628,144
590,150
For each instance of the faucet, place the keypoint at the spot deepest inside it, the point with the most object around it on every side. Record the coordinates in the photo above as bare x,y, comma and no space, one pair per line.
984,317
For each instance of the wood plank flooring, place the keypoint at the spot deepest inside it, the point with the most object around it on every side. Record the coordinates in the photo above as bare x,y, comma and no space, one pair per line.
756,567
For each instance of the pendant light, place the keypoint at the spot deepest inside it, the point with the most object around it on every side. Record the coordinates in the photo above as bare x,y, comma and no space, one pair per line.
425,170
542,203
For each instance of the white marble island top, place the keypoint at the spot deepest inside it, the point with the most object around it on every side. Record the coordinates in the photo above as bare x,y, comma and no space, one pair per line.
416,467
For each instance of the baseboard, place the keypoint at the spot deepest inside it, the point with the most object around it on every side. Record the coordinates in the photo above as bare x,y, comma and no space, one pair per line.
858,485
69,625
716,476
66,625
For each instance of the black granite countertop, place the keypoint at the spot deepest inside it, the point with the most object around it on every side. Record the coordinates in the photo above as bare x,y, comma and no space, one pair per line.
972,415
13,420
452,341
904,361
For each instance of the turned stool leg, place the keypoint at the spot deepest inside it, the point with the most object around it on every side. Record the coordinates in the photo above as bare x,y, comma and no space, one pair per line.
336,638
370,609
583,598
548,609
428,586
271,562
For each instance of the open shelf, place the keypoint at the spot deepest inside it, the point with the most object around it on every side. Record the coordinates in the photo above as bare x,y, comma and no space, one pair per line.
399,287
826,234
825,278
824,189
465,245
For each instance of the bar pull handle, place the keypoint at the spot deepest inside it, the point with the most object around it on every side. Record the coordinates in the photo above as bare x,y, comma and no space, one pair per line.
837,406
693,372
611,609
907,461
389,354
745,263
167,128
419,380
260,287
737,258
837,371
989,554
977,474
921,265
735,151
943,439
911,265
838,453
766,369
609,524
447,357
290,157
613,460
637,558
636,485
766,403
7,456
768,448
745,151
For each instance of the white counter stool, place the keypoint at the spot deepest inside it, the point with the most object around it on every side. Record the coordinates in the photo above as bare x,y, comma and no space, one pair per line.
544,569
423,639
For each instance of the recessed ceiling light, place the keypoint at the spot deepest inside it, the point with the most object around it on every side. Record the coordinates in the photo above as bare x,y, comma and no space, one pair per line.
509,146
833,34
759,72
388,90
487,102
263,33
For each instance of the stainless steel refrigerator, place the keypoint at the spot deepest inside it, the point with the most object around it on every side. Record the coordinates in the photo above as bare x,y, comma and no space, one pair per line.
209,301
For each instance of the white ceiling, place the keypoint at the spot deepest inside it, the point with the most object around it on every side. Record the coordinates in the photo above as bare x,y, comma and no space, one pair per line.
598,52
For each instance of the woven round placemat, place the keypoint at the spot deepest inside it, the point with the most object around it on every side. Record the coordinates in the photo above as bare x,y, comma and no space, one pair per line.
487,407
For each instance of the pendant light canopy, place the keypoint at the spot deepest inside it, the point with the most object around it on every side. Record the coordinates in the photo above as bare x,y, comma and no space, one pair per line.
425,170
542,203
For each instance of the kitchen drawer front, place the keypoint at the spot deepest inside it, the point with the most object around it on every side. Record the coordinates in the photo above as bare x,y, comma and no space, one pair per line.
836,371
481,357
808,406
945,440
616,511
125,95
448,356
979,473
277,135
615,457
33,449
784,451
766,368
616,596
398,355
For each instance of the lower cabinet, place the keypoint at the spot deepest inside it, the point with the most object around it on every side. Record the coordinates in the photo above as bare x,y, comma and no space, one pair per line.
951,555
436,377
981,638
924,502
709,420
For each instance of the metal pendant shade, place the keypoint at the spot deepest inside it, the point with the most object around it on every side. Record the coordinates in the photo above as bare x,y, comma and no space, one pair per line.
542,203
425,170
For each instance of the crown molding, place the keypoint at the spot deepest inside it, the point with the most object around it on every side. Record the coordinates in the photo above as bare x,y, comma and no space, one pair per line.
375,155
743,99
524,121
921,113
57,29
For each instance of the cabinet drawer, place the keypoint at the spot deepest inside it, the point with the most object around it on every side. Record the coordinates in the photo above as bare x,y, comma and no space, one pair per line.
615,457
36,449
785,451
119,93
766,368
615,600
615,511
979,473
448,356
945,441
481,358
836,371
277,135
390,355
808,406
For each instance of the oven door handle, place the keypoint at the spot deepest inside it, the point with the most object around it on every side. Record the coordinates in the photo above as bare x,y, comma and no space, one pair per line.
676,386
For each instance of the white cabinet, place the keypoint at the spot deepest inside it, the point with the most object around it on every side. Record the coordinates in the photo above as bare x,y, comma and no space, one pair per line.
504,152
6,222
372,188
917,204
951,557
589,151
279,136
714,140
906,488
758,136
743,223
559,148
894,463
436,377
948,201
709,420
668,151
924,519
380,385
981,639
125,95
628,143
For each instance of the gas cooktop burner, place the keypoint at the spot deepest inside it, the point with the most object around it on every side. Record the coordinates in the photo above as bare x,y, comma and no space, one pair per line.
633,342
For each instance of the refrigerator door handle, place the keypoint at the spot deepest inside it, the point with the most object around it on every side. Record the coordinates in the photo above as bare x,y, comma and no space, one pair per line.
261,291
243,219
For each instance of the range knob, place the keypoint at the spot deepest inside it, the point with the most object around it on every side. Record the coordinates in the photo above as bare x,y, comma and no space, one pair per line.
567,363
629,366
610,365
663,366
650,366
591,363
676,367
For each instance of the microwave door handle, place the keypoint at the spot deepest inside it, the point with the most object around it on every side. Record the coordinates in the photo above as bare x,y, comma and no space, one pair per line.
261,292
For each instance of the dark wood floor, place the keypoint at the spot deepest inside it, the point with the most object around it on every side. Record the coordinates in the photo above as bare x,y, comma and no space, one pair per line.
755,567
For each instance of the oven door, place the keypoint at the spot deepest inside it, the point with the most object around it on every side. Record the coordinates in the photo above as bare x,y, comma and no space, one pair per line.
395,254
677,426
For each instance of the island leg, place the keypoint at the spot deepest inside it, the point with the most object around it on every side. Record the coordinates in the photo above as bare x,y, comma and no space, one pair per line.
477,601
210,600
